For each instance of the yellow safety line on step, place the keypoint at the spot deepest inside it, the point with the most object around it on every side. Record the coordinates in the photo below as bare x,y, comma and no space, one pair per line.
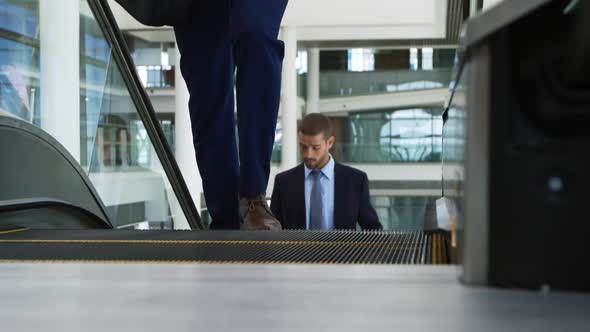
214,242
14,231
167,262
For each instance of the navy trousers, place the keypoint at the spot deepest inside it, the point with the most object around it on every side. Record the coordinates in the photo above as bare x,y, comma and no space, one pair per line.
230,37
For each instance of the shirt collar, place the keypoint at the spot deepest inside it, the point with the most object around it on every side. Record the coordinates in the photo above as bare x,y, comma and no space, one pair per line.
327,170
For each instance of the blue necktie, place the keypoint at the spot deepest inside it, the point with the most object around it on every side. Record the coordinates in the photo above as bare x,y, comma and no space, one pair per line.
316,217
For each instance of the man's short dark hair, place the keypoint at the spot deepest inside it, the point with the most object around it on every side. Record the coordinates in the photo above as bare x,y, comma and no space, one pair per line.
315,124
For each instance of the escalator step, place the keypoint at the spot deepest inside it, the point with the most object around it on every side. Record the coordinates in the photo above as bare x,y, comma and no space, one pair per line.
286,247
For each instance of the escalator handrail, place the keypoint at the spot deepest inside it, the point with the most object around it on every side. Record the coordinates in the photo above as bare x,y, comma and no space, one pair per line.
481,26
23,126
141,100
32,203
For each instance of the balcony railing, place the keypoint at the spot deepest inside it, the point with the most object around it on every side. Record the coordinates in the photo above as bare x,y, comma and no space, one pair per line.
424,150
347,84
156,77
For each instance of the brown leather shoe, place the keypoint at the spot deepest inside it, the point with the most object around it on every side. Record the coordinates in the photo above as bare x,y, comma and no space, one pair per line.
257,215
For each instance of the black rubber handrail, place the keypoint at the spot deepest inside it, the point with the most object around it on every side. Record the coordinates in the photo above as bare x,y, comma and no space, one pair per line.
45,202
26,128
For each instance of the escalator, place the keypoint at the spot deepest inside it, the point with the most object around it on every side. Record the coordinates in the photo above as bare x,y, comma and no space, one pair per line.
114,166
244,247
515,138
59,204
33,198
75,194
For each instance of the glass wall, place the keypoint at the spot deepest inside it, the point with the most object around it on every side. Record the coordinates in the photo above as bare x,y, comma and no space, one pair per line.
93,117
19,59
392,136
403,212
454,127
277,147
454,139
154,62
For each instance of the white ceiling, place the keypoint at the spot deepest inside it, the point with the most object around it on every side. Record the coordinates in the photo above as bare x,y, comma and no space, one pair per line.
339,20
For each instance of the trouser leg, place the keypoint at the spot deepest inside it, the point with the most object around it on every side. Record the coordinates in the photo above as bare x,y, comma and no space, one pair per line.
258,55
207,66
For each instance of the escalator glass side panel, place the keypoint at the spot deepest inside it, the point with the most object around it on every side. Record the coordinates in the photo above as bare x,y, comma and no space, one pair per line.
60,72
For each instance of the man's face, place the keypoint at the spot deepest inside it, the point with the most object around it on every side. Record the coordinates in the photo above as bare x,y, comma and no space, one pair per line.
315,149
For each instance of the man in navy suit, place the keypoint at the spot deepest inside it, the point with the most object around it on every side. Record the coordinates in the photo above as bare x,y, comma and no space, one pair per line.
224,35
322,194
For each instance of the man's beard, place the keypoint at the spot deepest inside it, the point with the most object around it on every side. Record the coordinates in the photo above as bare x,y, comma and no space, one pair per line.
314,163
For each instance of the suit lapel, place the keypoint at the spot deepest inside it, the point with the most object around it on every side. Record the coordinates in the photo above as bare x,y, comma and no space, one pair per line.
339,193
299,192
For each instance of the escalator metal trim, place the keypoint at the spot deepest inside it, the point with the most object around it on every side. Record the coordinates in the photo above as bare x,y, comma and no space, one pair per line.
13,230
230,247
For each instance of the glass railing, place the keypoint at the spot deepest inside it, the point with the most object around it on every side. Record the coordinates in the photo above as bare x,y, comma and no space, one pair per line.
347,84
88,101
402,212
454,139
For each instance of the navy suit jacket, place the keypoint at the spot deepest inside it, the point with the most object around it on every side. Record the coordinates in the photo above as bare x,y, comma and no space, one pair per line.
351,199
